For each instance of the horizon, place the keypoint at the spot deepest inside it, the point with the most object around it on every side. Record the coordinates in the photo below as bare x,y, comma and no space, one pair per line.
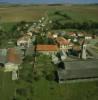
49,1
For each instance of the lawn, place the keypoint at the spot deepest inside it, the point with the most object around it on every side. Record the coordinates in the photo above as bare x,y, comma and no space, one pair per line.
6,86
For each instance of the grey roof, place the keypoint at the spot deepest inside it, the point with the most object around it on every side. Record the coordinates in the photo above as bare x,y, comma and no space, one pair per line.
3,54
3,59
87,64
79,70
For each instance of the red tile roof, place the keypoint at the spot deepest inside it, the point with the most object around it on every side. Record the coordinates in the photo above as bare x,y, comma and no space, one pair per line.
13,56
47,47
72,33
62,41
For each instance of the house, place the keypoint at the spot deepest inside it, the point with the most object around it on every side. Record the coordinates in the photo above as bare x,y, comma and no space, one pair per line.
72,34
24,41
14,56
49,35
29,33
81,34
78,70
88,37
14,59
55,35
52,35
47,49
63,43
10,59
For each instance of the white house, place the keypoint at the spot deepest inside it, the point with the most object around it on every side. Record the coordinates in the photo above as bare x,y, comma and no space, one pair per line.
24,41
63,43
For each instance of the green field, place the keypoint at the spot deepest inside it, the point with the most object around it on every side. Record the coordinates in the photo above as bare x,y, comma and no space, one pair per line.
34,12
6,86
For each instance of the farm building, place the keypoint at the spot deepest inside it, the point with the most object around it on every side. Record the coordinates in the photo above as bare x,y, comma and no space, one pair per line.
78,70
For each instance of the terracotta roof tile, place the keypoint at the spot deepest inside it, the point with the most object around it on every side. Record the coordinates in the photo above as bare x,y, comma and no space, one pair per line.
47,47
62,41
13,56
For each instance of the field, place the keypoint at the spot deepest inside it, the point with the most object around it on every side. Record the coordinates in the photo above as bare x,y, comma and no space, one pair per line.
6,86
34,12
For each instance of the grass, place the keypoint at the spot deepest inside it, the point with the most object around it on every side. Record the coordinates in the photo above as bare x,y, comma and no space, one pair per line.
6,86
46,90
43,89
33,12
43,63
7,26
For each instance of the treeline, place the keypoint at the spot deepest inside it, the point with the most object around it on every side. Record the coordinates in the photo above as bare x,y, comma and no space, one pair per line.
74,25
58,4
61,20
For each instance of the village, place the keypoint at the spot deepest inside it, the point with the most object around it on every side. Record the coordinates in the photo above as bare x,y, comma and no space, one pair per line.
48,50
74,53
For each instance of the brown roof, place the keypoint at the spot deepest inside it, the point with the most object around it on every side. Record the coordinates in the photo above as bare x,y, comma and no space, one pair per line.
62,41
47,47
13,56
72,33
77,47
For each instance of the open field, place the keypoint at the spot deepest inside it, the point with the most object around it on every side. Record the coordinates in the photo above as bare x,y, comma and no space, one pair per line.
6,86
33,12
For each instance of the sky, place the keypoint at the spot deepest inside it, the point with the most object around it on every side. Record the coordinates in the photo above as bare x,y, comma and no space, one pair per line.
49,1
